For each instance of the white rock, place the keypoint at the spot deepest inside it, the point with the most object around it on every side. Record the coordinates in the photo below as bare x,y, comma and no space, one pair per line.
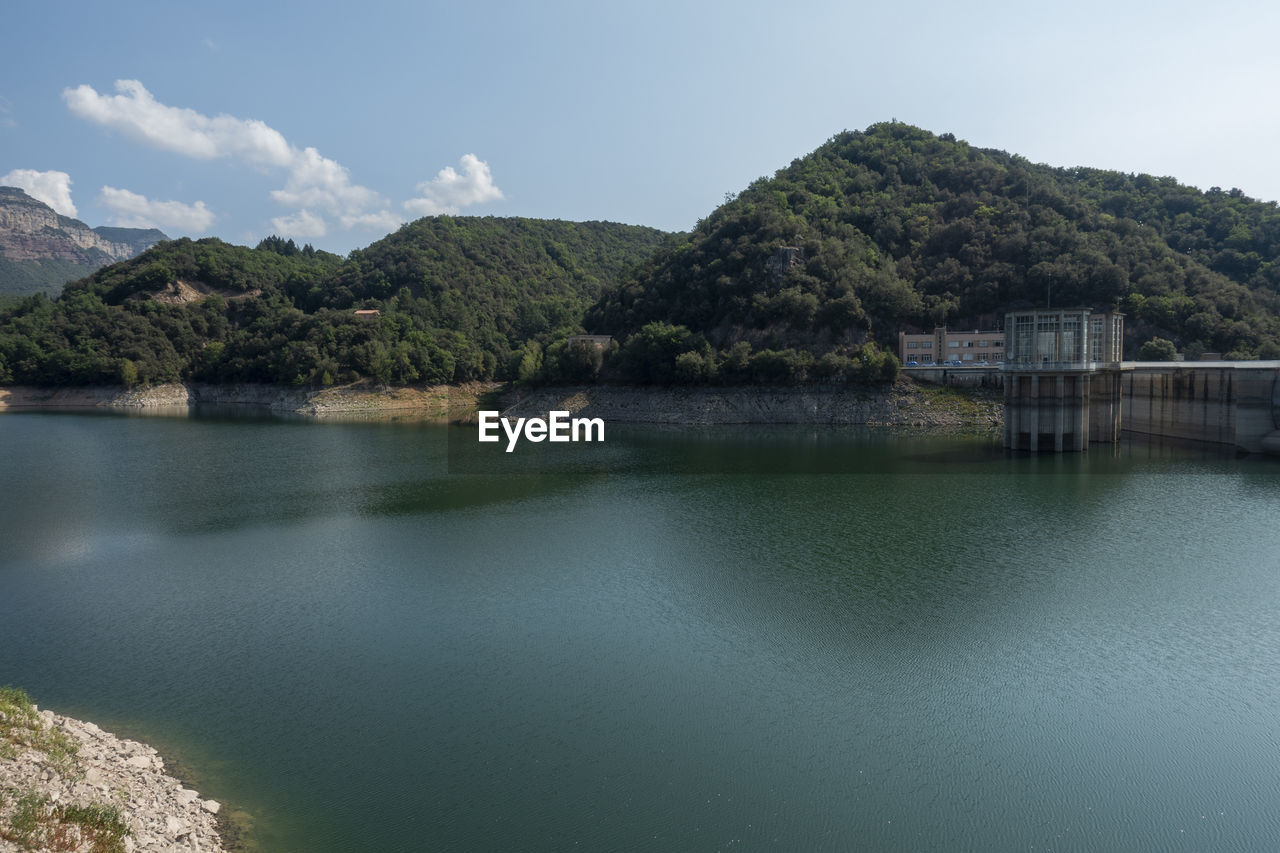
162,814
174,827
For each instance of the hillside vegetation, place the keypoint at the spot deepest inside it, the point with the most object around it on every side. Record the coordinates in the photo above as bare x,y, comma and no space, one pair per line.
456,299
805,276
896,228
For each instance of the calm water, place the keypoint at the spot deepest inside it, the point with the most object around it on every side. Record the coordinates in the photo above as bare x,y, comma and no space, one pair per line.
937,647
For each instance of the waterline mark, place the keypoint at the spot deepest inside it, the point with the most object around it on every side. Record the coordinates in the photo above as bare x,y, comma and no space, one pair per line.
558,427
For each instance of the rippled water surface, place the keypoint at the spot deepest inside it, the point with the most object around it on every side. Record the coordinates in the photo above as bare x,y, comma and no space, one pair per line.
760,639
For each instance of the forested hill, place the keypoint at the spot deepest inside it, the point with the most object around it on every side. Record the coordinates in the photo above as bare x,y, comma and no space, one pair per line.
456,299
897,228
808,275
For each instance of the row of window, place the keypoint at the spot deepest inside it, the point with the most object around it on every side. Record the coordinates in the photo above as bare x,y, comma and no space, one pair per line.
988,357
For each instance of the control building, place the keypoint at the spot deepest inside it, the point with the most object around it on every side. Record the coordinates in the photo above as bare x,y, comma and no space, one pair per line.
945,345
1062,378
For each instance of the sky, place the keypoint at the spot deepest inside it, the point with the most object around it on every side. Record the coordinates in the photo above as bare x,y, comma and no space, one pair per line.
334,123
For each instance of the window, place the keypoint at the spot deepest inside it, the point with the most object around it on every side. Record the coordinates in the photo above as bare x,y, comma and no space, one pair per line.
1023,349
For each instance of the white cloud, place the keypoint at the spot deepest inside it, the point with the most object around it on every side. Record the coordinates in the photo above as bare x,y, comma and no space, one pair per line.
304,223
131,210
316,186
137,114
314,183
449,191
383,220
52,188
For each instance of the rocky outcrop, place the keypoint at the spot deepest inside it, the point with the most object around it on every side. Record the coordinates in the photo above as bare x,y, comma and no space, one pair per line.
103,775
30,230
40,250
137,240
181,292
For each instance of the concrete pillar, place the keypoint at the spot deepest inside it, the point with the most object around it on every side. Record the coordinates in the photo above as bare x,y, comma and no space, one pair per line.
1082,394
1059,416
1010,413
1035,419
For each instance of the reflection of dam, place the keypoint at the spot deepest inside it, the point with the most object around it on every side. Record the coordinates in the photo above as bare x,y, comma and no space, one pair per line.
1225,402
1061,409
1065,386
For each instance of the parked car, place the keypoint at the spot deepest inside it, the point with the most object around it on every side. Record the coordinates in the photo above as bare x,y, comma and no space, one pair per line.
912,364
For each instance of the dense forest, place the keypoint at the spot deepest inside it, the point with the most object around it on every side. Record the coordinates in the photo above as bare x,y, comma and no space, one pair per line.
896,228
804,276
456,299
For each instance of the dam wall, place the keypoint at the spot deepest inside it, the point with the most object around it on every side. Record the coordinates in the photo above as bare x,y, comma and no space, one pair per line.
1227,403
1233,403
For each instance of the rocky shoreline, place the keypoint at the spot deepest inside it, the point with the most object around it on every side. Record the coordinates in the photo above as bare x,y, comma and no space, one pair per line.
436,402
905,403
68,785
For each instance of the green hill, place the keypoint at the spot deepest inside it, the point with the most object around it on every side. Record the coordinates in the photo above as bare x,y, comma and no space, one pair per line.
896,228
805,276
455,299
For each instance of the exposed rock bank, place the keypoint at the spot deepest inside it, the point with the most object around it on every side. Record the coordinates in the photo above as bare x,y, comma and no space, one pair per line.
905,403
64,770
441,401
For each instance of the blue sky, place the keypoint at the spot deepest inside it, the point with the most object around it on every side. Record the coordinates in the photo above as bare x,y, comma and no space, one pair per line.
334,122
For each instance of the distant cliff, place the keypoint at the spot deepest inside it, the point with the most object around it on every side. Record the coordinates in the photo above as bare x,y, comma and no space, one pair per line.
40,249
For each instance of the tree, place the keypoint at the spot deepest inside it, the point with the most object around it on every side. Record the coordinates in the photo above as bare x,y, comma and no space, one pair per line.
650,354
1158,349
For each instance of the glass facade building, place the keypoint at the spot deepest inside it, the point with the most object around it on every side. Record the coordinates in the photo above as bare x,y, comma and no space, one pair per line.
1062,378
1063,339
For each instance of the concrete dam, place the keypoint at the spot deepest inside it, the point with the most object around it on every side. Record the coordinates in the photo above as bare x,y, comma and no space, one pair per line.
1066,387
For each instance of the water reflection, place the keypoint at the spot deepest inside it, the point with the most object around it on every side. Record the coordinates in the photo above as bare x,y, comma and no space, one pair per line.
921,652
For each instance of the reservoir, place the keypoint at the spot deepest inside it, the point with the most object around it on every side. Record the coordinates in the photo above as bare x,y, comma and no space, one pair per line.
360,637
